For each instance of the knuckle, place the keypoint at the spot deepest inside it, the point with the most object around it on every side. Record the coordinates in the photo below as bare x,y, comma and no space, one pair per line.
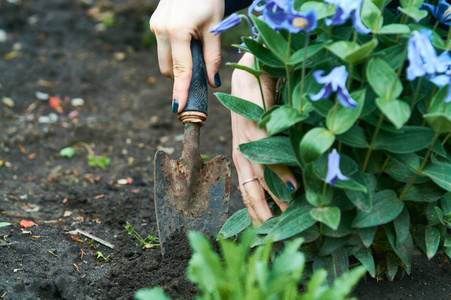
180,70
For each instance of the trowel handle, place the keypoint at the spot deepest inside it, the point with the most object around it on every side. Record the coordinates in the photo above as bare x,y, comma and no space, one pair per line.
198,91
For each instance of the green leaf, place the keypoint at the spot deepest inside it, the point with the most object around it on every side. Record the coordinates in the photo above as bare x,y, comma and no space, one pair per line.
342,48
440,173
293,221
268,226
363,200
367,235
263,54
445,203
270,151
351,184
242,107
362,52
254,72
440,122
344,285
157,293
405,250
386,207
438,104
329,215
281,119
447,242
4,224
277,186
322,10
413,139
343,229
236,223
402,226
367,260
394,55
426,192
397,111
315,143
336,265
371,15
381,78
414,13
68,152
205,267
340,119
314,188
330,245
432,239
99,161
394,29
273,40
299,56
354,137
392,266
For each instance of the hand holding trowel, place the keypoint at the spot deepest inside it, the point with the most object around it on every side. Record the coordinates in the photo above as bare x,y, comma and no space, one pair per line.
191,194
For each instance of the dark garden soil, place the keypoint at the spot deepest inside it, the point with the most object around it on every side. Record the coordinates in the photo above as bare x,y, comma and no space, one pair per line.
57,47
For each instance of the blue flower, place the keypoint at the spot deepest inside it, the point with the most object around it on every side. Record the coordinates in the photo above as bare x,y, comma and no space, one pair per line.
333,168
422,56
280,14
441,13
229,22
334,82
345,9
444,79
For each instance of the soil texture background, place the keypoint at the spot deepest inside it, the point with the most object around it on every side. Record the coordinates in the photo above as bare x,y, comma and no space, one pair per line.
94,50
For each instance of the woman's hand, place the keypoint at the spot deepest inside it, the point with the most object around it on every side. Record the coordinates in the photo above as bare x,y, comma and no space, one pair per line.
175,23
250,174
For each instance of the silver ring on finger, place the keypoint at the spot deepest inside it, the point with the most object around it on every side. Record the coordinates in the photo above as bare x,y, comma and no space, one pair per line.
249,180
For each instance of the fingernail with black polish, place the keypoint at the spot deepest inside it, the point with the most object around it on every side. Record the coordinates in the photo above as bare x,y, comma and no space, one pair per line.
175,106
217,80
290,186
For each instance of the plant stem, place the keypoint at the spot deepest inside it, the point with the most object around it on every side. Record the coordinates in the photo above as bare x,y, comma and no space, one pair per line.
420,169
446,138
288,71
415,96
448,37
307,40
84,145
373,140
384,165
261,92
398,74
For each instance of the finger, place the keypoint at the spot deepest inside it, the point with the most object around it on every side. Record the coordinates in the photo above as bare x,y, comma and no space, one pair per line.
182,67
259,169
212,57
286,176
252,191
164,57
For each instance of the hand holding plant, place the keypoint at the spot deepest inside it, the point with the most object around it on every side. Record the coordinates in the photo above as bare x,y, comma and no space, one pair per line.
362,119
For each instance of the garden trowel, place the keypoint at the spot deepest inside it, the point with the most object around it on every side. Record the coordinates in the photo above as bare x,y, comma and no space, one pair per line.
191,194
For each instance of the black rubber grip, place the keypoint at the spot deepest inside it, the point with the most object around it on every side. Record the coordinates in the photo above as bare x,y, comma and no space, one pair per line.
198,90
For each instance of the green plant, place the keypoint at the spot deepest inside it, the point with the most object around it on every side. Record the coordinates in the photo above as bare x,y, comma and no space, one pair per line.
93,159
149,242
241,274
100,256
4,224
369,142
